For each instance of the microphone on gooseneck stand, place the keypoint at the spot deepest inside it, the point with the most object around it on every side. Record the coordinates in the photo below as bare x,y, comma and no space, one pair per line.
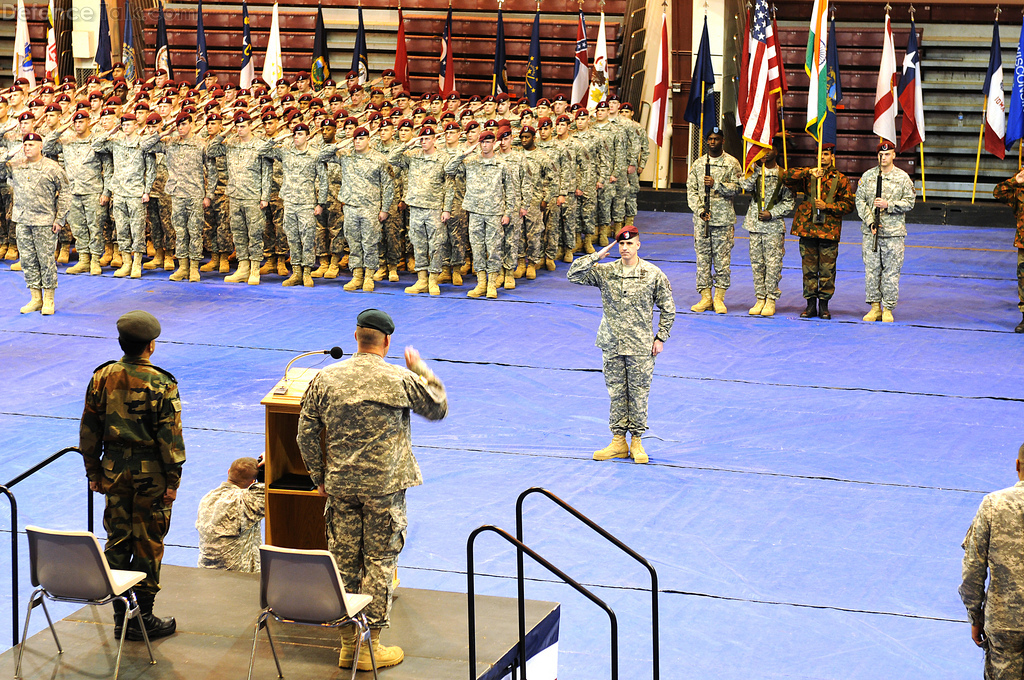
334,352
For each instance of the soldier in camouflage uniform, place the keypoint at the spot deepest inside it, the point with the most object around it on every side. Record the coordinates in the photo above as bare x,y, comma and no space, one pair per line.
84,169
512,235
133,450
458,248
41,200
333,218
994,548
630,289
594,149
720,172
304,193
540,176
275,241
1011,192
490,201
427,188
217,216
608,206
573,175
818,221
368,190
882,265
640,141
229,520
8,235
362,406
248,191
158,209
771,202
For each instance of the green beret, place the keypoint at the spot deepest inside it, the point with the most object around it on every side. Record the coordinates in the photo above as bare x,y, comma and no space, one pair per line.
376,319
138,326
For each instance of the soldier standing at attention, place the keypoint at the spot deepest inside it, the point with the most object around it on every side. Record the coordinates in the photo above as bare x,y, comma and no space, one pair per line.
362,404
772,201
630,288
1011,192
993,548
818,221
719,172
882,265
41,200
131,442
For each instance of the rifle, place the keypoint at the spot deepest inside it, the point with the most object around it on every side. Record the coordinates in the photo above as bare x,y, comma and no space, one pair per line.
878,212
707,199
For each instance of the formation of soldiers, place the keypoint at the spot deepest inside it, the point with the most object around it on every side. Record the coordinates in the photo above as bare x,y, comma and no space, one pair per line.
369,179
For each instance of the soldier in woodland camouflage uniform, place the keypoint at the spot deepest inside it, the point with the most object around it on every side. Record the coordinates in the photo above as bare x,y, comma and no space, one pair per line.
1011,192
513,233
275,241
159,209
771,202
427,187
994,548
362,406
714,251
248,191
540,172
229,520
41,200
818,221
630,289
882,266
8,231
133,450
458,248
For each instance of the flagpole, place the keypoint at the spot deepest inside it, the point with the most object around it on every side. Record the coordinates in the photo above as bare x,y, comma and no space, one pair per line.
981,135
924,191
782,121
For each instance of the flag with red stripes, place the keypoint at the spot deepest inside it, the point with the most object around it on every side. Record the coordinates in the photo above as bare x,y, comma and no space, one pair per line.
401,55
885,99
912,130
762,120
995,111
446,74
581,71
659,105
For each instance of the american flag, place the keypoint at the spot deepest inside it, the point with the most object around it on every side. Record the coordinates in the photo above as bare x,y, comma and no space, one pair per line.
764,81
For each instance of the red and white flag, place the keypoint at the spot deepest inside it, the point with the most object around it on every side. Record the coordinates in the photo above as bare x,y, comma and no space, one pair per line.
581,71
912,131
401,55
763,83
995,110
885,98
446,69
658,120
51,47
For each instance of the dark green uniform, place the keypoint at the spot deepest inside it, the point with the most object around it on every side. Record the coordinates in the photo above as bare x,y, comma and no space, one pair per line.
131,441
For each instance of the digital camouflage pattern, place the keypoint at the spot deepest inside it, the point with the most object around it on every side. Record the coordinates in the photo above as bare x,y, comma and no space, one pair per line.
628,379
767,237
248,183
83,166
303,175
37,245
131,442
229,526
41,199
129,179
882,270
726,172
897,190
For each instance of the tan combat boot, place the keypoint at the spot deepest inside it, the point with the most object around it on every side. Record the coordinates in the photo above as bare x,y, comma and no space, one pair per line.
481,286
618,448
254,273
368,284
432,286
241,274
213,264
756,309
421,284
887,315
588,244
182,272
48,303
509,282
169,265
384,656
225,263
12,252
136,266
94,267
502,273
466,267
445,276
108,255
492,285
270,266
393,273
126,267
282,265
636,450
602,235
719,301
35,304
520,268
875,313
456,277
769,308
410,265
3,250
307,277
333,269
64,254
295,279
343,263
115,260
16,267
319,272
705,303
549,264
568,256
579,243
150,250
531,272
357,279
84,264
381,272
348,645
157,261
193,271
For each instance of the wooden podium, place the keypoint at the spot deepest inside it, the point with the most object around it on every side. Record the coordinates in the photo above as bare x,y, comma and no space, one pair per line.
295,516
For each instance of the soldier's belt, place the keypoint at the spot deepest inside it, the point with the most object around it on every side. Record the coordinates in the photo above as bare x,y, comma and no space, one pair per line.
122,451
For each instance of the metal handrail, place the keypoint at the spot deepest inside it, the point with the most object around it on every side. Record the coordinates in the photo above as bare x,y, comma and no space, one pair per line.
5,489
521,548
655,626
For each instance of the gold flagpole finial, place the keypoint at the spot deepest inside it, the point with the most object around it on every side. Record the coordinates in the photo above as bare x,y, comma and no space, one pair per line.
912,10
998,11
888,8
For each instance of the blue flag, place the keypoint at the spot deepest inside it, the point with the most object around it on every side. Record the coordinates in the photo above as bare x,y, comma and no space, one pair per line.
499,81
320,70
104,63
247,72
703,82
360,58
131,69
163,54
534,86
833,88
202,60
1015,127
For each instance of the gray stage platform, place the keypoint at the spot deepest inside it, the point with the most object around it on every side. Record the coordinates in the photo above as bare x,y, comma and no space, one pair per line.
216,612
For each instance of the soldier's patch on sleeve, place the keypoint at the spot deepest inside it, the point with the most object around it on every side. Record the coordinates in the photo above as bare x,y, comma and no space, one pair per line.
176,404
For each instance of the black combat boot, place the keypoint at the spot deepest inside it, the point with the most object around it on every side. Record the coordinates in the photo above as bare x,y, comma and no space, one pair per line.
1020,326
119,612
823,309
155,628
812,309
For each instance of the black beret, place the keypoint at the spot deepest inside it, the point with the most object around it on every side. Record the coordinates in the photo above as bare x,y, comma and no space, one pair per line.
138,326
376,319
